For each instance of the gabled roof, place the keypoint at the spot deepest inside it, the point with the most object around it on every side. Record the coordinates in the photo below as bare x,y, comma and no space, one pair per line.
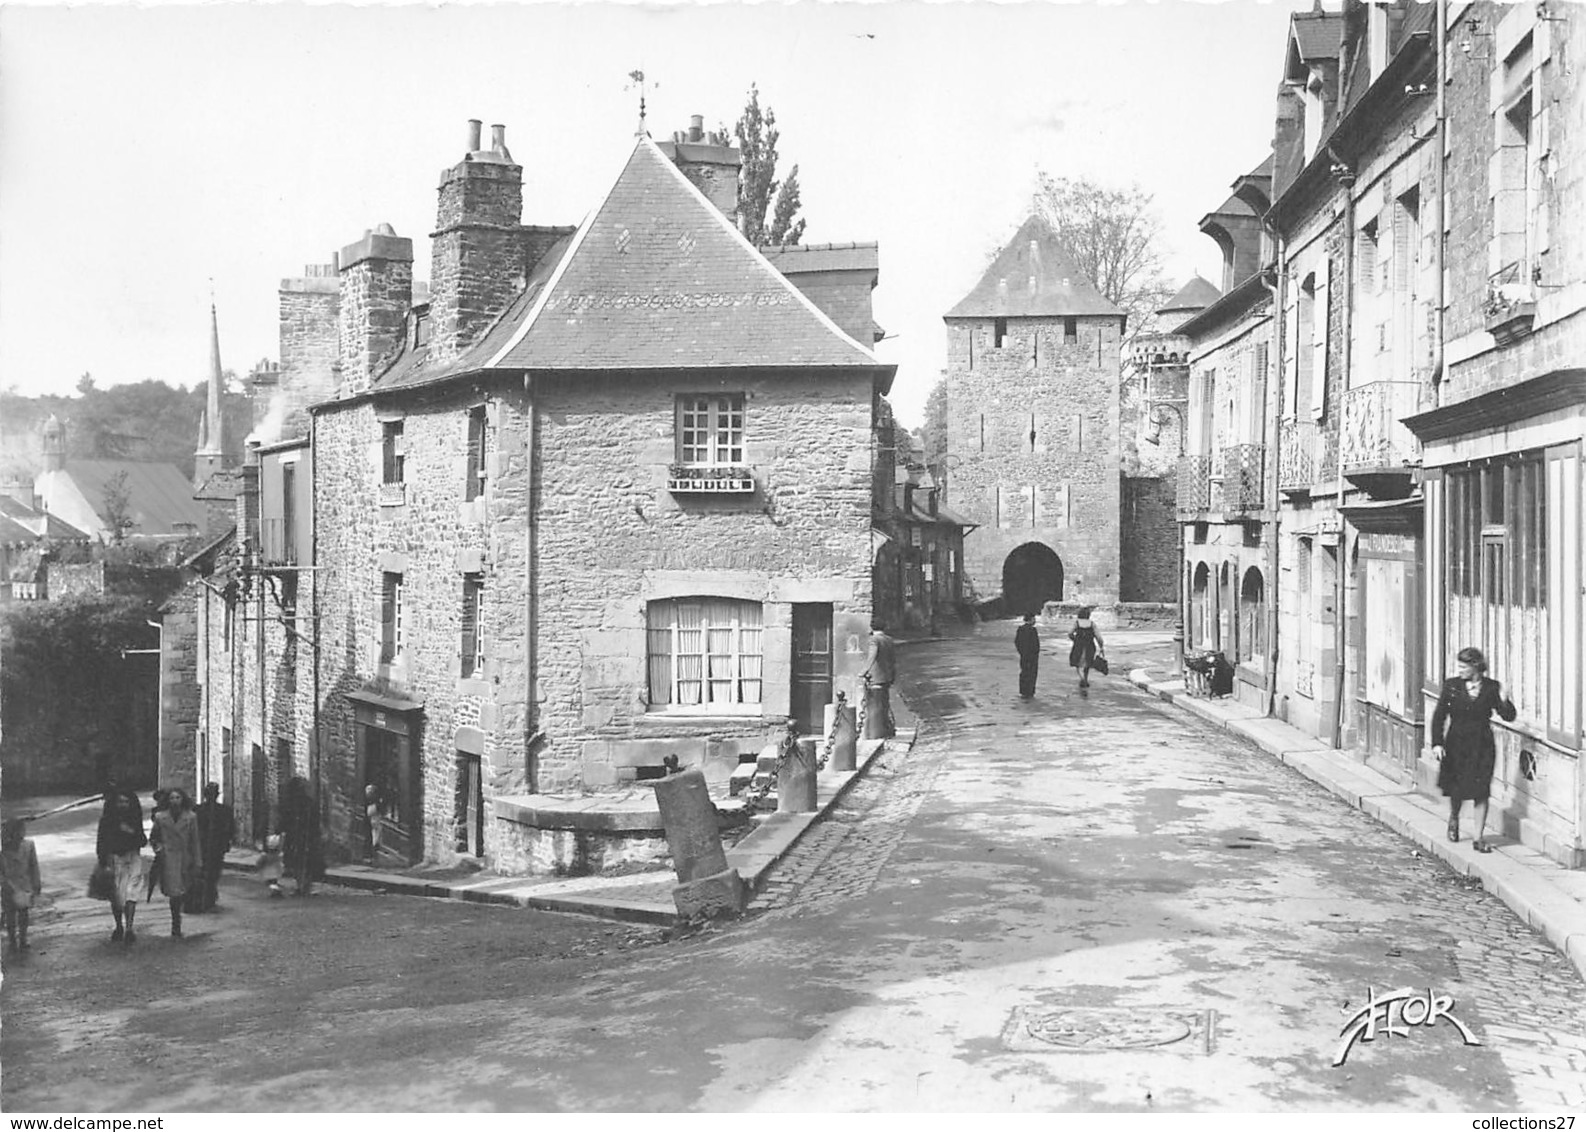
38,524
159,498
1317,35
1196,294
657,278
1032,276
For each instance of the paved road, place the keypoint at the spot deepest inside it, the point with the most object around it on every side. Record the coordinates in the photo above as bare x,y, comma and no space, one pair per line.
1097,872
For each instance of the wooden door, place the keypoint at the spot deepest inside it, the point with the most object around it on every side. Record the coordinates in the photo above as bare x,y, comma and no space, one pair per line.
812,666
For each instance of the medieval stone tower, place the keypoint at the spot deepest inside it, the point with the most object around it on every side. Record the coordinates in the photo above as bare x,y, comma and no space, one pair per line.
1032,391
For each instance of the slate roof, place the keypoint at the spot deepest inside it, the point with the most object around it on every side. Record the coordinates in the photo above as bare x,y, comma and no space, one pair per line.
1196,294
1317,35
38,524
795,258
159,498
657,278
1032,276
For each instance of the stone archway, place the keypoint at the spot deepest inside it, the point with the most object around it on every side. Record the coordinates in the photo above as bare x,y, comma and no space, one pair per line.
1032,575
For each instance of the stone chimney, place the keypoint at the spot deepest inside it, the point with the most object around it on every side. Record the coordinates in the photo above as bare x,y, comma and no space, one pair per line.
376,292
710,161
310,354
478,263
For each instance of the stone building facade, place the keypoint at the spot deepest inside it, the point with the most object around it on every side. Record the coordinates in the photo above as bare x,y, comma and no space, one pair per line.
1421,453
1033,405
599,497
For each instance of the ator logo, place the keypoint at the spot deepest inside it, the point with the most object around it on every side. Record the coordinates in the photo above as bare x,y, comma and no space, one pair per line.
1397,1014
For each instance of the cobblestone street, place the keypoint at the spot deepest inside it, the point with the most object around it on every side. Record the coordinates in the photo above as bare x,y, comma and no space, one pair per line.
1075,903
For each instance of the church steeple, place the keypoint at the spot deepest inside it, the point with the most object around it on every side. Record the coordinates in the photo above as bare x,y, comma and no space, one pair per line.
210,456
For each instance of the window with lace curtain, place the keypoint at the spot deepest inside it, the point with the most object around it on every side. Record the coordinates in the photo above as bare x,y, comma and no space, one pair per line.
704,654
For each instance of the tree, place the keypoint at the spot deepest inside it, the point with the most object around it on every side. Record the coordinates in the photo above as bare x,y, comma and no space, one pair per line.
758,187
933,431
1113,236
115,507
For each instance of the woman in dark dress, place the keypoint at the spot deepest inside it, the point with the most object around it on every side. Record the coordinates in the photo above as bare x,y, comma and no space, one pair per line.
1087,643
1462,740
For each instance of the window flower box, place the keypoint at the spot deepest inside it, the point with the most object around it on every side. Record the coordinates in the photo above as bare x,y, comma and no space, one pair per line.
1510,309
712,480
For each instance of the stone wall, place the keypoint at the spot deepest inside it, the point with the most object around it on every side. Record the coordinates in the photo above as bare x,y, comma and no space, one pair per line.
1060,488
611,538
180,697
1149,540
310,353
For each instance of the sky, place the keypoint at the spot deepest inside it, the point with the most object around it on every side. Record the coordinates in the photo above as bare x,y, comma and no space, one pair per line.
151,157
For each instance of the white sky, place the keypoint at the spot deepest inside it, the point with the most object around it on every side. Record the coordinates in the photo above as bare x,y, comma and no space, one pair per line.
144,151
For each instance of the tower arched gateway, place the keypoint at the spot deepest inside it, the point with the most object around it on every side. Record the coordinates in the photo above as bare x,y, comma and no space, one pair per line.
1032,575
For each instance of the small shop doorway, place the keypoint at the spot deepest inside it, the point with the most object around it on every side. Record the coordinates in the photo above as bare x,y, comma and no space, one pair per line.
392,787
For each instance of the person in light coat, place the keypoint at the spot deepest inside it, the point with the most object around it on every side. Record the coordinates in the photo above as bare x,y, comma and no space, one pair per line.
181,863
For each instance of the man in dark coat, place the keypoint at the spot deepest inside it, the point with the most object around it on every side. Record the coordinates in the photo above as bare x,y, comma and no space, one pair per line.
1028,642
217,826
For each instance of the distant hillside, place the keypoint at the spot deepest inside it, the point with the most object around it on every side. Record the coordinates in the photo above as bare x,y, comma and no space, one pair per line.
144,420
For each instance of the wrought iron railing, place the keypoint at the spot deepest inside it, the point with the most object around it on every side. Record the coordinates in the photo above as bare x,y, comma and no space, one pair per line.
1194,484
1242,468
1372,437
1296,454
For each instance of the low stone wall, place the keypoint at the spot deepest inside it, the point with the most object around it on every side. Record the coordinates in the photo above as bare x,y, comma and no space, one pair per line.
529,850
1123,615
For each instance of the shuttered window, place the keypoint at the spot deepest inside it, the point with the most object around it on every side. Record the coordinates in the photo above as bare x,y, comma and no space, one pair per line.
475,486
473,642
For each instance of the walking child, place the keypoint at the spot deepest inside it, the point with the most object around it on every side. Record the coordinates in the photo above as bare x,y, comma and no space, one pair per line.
19,882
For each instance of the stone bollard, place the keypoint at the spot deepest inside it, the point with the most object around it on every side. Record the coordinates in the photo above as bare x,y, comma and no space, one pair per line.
706,886
795,778
878,711
845,737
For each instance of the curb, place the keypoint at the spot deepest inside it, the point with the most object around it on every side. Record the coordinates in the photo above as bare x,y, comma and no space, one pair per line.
1515,873
781,837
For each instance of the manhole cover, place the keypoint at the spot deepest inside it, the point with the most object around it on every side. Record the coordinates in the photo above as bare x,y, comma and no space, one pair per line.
1043,1029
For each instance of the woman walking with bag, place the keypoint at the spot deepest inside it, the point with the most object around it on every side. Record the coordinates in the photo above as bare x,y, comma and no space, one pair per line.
120,848
176,836
1087,645
1466,747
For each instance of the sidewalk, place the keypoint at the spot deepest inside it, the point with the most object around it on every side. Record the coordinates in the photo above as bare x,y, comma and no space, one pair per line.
1543,893
640,897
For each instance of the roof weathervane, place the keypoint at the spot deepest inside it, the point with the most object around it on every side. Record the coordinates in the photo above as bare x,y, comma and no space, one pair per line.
637,79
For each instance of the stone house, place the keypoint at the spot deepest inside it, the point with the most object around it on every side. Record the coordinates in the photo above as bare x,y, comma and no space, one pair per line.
1033,404
599,496
1415,410
919,540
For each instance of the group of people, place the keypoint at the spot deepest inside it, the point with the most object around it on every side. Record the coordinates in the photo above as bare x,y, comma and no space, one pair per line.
189,844
1086,646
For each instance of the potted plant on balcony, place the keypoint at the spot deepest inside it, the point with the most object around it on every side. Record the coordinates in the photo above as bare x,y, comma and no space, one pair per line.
1511,305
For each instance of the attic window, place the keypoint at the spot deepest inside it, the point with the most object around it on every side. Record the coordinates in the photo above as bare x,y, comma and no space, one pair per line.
999,331
421,328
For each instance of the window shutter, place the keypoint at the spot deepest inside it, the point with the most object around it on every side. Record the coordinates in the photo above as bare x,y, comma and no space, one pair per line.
1562,495
470,642
1291,352
1321,331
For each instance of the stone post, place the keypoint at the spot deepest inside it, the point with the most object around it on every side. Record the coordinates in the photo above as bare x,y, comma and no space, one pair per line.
795,775
845,737
878,711
706,886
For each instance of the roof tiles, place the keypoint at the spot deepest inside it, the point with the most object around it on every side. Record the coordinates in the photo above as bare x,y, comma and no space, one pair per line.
1033,275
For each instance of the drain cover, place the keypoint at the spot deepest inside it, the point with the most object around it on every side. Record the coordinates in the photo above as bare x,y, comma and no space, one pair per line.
1037,1029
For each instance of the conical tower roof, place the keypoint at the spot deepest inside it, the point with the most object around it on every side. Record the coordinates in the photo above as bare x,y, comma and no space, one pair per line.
1033,275
1196,295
